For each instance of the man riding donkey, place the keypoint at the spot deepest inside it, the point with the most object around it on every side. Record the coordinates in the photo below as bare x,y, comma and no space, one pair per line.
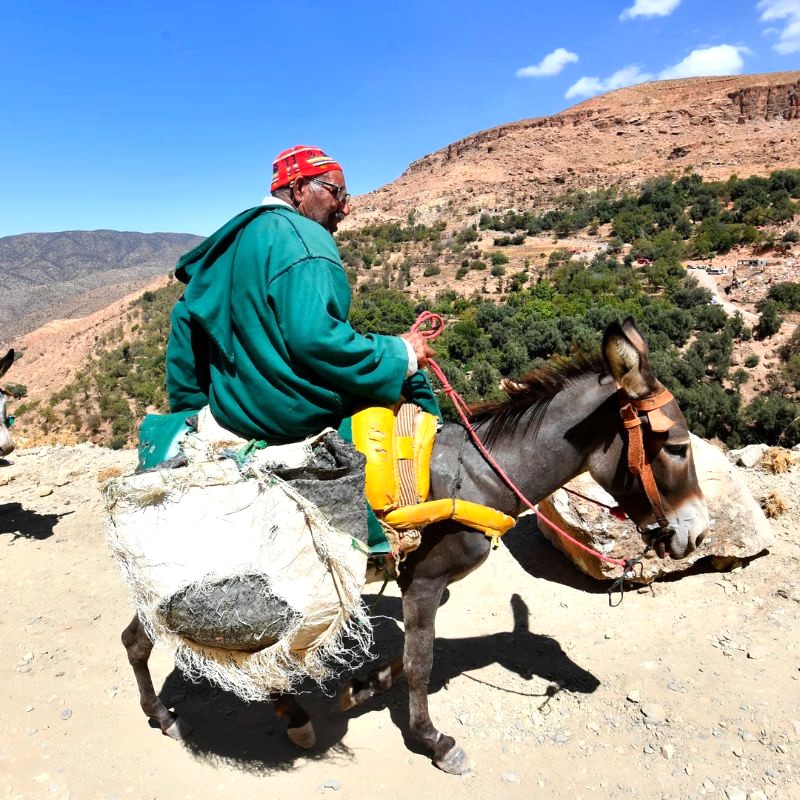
260,342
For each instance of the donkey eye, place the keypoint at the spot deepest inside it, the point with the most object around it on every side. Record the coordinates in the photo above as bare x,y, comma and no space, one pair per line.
677,449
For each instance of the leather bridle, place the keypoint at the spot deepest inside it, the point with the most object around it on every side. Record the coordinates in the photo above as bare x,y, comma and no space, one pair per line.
634,412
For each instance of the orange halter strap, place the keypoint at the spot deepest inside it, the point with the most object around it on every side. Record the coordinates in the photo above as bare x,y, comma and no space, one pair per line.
633,411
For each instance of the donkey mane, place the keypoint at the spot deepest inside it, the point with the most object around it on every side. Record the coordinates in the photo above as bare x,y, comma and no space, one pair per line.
533,393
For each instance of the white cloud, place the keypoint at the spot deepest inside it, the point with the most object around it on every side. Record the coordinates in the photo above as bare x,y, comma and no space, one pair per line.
722,59
551,64
627,76
650,8
787,11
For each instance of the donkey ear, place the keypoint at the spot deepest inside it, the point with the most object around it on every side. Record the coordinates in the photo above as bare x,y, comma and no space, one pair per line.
6,361
625,353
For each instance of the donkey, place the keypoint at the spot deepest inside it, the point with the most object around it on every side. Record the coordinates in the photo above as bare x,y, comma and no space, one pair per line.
563,419
6,442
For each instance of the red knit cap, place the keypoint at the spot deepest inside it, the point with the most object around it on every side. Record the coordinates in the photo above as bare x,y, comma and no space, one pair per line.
300,160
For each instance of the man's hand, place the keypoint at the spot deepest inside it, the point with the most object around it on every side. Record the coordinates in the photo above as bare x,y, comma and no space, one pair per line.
421,348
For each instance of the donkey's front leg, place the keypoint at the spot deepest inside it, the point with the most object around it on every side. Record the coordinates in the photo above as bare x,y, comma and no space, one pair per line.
139,647
421,600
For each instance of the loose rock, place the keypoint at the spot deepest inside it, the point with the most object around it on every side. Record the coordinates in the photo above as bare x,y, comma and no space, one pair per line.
734,793
653,714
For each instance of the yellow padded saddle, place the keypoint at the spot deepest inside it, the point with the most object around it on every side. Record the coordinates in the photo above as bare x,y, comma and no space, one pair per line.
398,444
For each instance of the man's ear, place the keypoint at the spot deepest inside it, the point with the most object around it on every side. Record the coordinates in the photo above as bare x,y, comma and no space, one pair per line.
297,190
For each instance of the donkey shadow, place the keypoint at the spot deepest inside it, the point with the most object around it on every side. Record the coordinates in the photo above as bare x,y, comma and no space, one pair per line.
250,737
531,550
22,523
526,654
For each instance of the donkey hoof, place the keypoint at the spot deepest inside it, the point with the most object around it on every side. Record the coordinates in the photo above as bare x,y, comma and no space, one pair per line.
179,730
454,761
347,697
303,736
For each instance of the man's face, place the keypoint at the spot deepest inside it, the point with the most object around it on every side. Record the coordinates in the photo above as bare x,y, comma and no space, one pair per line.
316,199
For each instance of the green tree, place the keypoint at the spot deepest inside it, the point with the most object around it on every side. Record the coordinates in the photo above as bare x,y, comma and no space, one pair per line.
769,321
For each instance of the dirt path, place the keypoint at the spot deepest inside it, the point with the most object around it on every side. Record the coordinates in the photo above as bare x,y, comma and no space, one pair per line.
714,284
551,710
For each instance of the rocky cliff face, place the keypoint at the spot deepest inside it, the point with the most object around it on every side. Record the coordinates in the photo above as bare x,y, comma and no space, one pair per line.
767,102
746,124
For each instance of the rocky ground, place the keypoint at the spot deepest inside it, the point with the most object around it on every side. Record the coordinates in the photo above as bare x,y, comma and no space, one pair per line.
688,689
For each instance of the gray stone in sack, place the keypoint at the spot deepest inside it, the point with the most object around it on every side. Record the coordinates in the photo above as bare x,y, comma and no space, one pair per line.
239,613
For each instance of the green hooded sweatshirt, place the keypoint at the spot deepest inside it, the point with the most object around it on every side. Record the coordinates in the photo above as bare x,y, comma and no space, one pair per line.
261,333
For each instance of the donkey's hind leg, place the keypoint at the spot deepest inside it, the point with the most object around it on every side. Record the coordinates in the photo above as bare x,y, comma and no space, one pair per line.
355,692
139,647
301,730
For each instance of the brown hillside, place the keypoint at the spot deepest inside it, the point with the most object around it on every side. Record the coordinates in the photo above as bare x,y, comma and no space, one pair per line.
745,124
52,354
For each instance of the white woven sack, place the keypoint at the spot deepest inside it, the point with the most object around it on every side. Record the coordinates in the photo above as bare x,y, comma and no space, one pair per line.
209,521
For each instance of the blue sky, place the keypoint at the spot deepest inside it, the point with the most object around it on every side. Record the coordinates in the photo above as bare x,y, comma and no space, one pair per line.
165,116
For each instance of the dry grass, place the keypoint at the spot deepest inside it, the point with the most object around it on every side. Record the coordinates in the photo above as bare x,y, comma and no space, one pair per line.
774,505
48,439
777,460
108,473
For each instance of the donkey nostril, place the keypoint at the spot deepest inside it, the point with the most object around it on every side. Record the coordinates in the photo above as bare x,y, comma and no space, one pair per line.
700,538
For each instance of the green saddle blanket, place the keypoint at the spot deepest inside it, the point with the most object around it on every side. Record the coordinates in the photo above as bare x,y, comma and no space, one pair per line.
160,436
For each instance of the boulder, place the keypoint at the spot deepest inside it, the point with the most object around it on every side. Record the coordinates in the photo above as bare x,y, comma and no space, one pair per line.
748,456
739,528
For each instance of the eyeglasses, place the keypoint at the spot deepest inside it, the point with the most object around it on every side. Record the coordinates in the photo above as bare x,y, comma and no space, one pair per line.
339,192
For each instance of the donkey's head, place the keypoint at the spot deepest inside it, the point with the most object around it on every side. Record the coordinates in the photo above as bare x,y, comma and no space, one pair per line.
652,474
6,442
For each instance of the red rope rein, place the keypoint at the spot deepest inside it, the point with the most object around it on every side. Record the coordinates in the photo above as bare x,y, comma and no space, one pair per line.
436,323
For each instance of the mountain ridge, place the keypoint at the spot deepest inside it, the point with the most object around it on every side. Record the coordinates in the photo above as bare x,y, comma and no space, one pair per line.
75,273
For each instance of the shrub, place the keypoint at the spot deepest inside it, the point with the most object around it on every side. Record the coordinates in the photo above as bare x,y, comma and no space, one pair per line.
16,390
431,269
773,420
498,270
466,235
774,505
752,360
498,257
786,294
777,460
769,321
